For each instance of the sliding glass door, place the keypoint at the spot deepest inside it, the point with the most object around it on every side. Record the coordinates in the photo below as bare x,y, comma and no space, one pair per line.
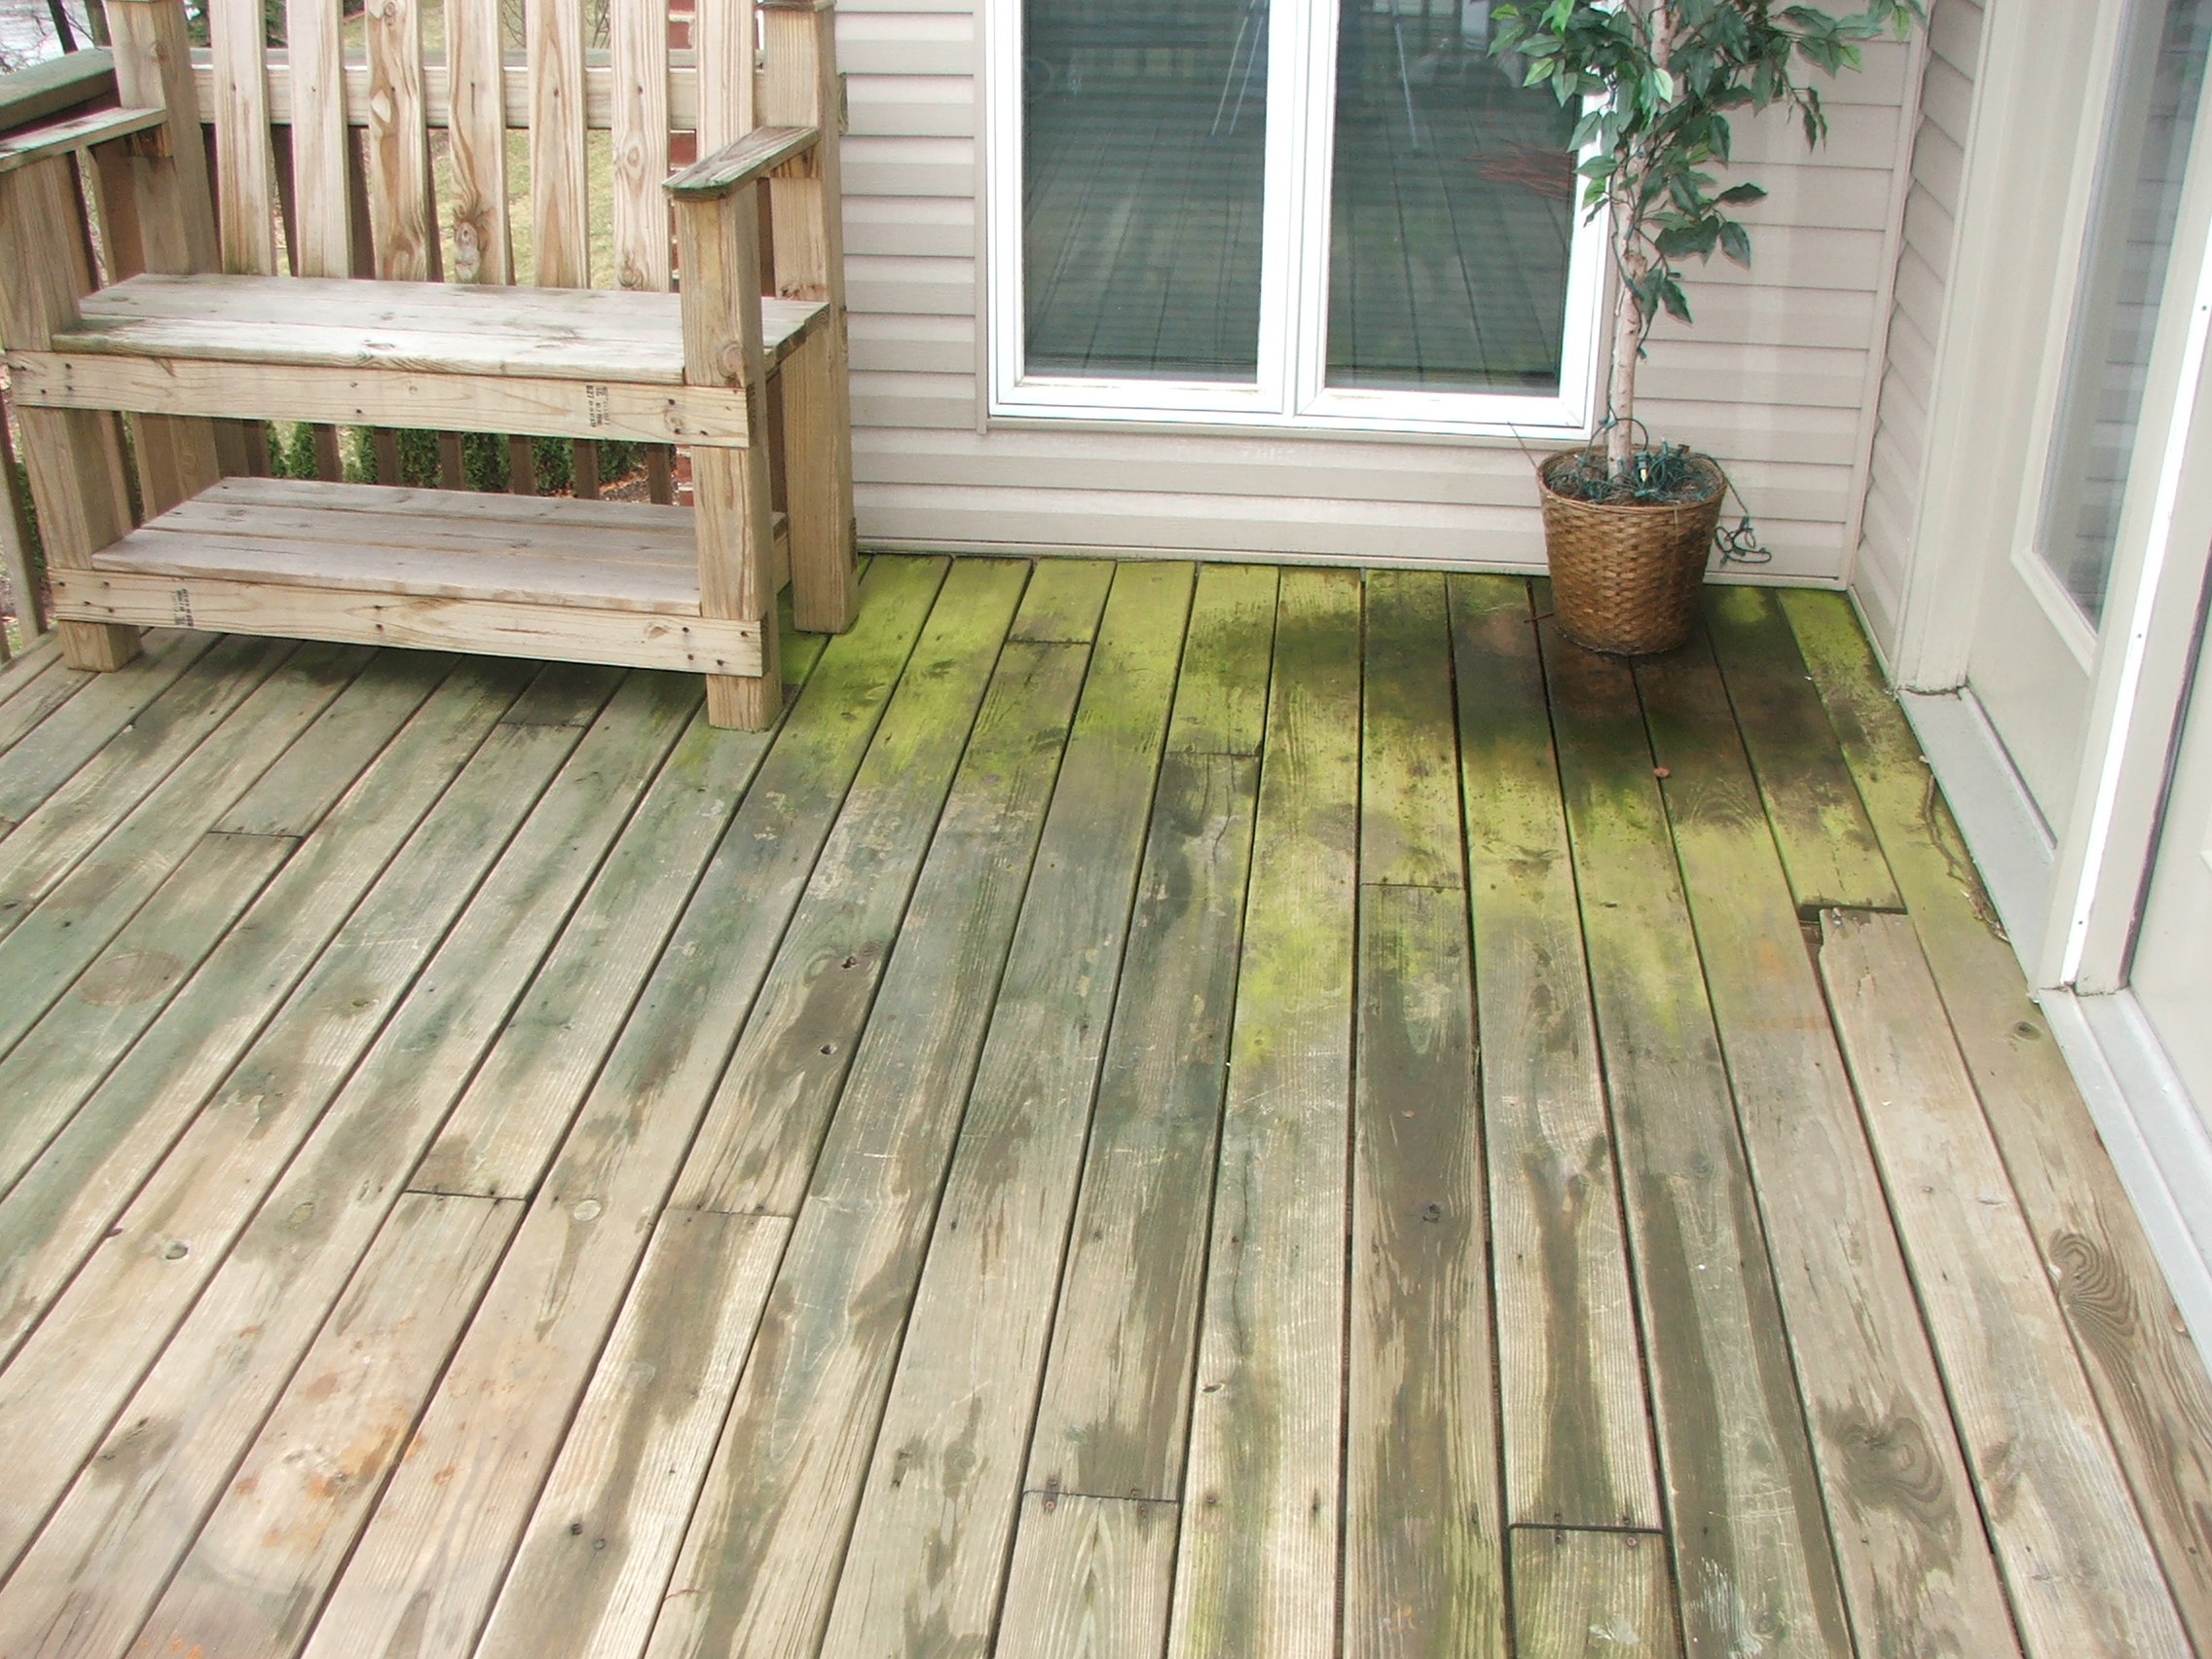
1282,212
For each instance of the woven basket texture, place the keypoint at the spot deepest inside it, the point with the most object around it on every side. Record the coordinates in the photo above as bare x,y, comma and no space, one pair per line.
1625,580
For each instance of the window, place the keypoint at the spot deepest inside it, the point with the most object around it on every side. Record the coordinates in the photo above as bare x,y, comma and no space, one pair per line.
1311,213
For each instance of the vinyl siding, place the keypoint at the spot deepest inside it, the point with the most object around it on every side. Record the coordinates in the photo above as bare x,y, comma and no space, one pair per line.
1923,260
1776,377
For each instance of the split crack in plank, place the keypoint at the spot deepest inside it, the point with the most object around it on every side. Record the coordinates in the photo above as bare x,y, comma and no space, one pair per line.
1260,1519
432,1558
1914,1560
2148,1378
1752,1560
941,1494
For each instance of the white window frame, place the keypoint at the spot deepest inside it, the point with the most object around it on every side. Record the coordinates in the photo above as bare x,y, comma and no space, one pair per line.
1292,391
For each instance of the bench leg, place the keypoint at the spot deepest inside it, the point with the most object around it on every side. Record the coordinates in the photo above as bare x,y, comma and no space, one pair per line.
736,578
72,458
101,646
818,486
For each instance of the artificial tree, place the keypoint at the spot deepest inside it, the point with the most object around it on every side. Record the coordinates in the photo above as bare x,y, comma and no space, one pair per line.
1656,81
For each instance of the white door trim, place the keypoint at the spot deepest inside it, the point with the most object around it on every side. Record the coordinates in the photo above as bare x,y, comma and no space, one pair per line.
2032,144
2148,643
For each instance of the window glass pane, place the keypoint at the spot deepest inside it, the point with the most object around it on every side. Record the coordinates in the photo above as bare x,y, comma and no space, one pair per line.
1453,210
1145,162
2132,229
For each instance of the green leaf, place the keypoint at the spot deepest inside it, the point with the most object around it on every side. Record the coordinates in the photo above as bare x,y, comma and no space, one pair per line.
1736,243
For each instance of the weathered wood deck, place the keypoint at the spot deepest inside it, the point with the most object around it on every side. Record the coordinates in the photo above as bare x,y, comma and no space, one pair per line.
1206,1113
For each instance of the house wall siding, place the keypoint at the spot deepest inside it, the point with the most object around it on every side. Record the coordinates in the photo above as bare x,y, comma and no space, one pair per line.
1924,263
1776,379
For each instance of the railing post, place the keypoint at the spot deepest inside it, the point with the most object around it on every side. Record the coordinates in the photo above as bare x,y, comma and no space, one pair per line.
719,252
15,545
799,88
168,196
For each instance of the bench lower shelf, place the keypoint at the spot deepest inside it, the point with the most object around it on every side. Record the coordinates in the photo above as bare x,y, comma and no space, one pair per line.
508,575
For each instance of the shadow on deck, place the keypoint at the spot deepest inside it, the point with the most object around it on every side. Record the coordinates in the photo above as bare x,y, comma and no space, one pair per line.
1215,1111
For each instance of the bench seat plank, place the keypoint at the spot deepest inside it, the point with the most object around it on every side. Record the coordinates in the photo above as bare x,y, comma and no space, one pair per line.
582,334
583,581
585,363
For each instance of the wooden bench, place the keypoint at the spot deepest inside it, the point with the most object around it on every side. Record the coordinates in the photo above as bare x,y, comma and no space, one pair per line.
198,341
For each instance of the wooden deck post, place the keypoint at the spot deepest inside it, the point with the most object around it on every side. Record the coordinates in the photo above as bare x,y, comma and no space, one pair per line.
16,546
155,215
169,194
74,457
719,255
800,88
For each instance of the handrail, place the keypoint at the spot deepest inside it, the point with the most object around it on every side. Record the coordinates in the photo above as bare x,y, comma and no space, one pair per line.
59,85
757,154
78,134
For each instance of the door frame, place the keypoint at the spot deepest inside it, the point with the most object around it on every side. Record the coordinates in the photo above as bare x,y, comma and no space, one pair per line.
2015,269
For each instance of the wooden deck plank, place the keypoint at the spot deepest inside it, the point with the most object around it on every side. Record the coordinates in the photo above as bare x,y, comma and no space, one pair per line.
1115,1403
175,1230
1221,697
1576,1421
1064,601
249,1589
59,1062
1091,1577
1259,1524
756,1151
1409,782
63,817
59,936
1909,1537
289,1540
2149,1378
593,1562
45,684
430,1564
642,1406
49,757
130,981
759,1562
1424,1549
2083,1574
352,989
928,1546
310,778
53,1216
506,1128
1827,846
1753,1556
34,661
302,1227
1593,1595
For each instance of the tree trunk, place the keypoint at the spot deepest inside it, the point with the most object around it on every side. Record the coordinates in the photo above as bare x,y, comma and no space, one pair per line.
1628,344
1635,265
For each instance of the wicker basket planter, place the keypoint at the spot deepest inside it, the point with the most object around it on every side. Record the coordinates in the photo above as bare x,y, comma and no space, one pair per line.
1625,580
